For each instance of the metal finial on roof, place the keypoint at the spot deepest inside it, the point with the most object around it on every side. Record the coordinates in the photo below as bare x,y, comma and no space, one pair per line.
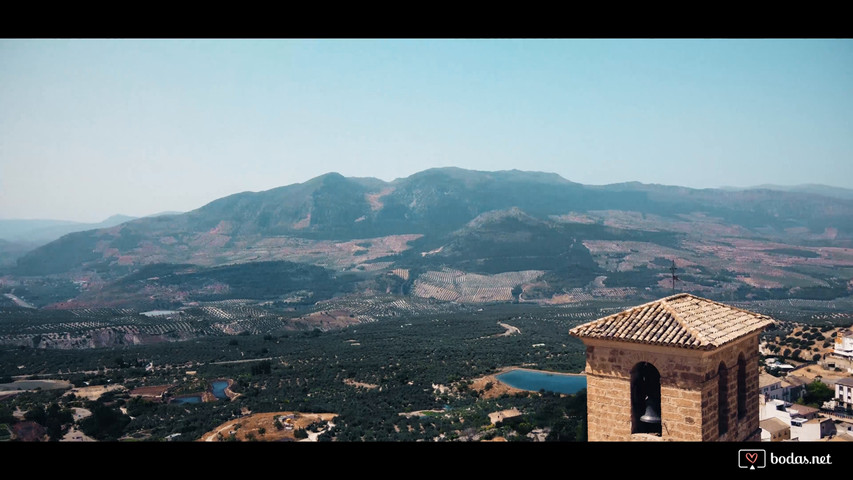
674,276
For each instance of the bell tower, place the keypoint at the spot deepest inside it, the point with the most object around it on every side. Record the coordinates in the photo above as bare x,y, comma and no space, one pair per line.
682,368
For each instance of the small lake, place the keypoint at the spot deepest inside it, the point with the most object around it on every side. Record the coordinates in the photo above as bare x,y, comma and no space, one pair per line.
535,380
188,399
219,389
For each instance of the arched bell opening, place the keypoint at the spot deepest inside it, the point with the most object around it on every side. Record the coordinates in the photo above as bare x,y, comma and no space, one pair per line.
741,387
645,399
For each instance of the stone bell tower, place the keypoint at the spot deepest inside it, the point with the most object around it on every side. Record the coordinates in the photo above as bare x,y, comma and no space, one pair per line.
682,368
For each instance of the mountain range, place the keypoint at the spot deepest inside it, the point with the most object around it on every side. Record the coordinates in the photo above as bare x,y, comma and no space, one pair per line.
448,232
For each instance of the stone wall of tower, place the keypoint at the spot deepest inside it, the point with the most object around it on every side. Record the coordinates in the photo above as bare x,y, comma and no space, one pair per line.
740,429
689,390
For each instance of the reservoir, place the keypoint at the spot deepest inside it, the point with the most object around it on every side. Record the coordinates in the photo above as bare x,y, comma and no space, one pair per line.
535,380
189,399
219,389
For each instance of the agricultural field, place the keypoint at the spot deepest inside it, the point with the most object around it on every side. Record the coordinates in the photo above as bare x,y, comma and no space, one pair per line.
220,246
451,285
410,369
836,312
366,373
801,342
109,327
715,259
93,328
272,427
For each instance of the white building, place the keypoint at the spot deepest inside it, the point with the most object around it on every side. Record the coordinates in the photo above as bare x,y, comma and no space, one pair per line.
811,430
844,344
789,388
801,411
844,426
844,392
770,387
805,424
775,408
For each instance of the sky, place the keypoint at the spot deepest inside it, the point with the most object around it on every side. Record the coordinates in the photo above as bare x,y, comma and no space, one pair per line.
93,127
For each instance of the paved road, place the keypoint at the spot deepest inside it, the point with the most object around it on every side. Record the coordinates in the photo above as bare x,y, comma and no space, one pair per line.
241,361
19,302
509,329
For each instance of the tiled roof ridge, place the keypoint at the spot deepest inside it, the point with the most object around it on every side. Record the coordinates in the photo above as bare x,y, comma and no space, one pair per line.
661,302
614,315
685,294
703,338
703,341
720,304
683,329
645,305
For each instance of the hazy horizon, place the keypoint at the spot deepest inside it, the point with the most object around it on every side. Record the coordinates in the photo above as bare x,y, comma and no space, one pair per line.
95,128
175,212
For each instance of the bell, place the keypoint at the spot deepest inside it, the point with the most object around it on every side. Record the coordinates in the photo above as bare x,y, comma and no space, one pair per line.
651,415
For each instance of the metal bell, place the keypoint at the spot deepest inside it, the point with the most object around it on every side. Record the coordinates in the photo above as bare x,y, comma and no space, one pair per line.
651,415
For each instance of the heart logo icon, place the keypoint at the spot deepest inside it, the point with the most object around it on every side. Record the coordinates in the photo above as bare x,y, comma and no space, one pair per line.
752,457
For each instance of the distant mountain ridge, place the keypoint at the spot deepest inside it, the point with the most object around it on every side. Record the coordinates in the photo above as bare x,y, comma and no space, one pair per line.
810,188
479,222
19,236
38,230
46,230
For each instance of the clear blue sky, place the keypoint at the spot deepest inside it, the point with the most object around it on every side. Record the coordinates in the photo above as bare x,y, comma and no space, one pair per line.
90,128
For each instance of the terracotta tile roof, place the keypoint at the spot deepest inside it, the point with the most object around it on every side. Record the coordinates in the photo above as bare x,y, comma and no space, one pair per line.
847,381
681,320
841,437
795,381
802,409
765,380
774,425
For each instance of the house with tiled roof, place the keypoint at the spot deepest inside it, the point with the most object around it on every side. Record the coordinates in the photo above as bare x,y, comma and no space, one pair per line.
804,411
681,368
813,429
844,427
794,387
788,388
841,437
844,392
806,425
774,430
770,386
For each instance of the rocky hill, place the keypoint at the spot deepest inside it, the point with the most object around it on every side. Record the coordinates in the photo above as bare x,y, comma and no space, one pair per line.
725,242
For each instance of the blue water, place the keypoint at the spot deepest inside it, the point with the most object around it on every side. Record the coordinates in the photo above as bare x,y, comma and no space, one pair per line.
219,389
551,382
192,399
